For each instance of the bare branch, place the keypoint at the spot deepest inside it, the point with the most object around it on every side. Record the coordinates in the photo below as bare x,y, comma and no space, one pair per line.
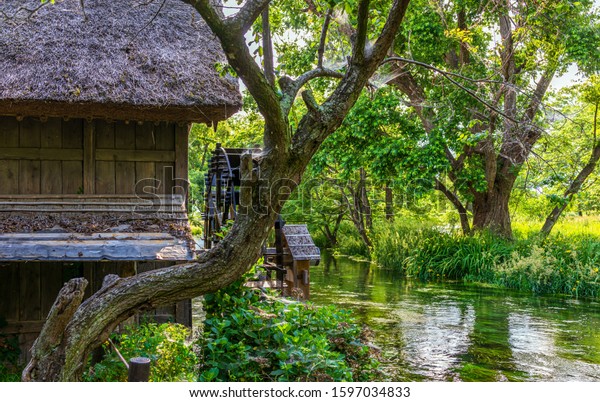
538,94
243,19
23,13
321,50
508,71
244,64
360,42
267,48
291,87
448,76
149,22
388,33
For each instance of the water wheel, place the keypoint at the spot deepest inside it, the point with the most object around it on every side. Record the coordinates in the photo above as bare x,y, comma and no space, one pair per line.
221,193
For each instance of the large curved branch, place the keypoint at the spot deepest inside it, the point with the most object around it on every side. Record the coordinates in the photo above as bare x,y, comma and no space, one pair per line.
291,87
448,75
240,59
314,129
243,19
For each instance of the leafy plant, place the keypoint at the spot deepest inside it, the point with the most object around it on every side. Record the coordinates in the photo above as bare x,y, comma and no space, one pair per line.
168,346
248,337
565,264
9,356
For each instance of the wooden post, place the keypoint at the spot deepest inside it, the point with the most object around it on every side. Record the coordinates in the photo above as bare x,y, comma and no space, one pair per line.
139,369
89,158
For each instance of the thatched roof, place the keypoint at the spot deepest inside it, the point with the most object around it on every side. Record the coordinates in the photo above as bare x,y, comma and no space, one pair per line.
125,60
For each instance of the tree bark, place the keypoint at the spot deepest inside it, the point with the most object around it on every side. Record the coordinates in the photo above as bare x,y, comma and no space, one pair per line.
490,209
462,211
48,349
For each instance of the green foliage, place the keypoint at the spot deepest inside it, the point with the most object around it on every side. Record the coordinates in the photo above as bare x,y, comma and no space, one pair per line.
560,264
168,346
250,338
9,355
349,242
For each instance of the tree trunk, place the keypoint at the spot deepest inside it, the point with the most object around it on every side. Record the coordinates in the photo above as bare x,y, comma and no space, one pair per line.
490,210
460,208
330,234
576,184
389,203
365,204
358,212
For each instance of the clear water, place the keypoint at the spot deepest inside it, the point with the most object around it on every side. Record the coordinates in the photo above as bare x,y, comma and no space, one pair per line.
457,332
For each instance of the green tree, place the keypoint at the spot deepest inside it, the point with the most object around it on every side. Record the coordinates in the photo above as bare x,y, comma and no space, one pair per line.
476,74
589,101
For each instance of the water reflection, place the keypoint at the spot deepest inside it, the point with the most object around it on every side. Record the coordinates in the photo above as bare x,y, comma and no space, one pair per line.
455,332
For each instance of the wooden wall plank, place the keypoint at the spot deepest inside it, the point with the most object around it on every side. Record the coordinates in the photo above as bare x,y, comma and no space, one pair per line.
105,177
165,137
144,136
165,173
89,269
9,177
125,178
72,134
181,159
29,177
9,131
51,179
30,133
105,134
72,177
29,292
51,136
105,170
124,171
145,178
51,282
9,291
89,158
9,170
124,135
37,154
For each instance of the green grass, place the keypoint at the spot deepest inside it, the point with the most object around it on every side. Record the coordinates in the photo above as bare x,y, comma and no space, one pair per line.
567,262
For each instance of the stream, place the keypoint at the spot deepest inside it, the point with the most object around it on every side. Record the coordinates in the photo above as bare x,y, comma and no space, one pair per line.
458,332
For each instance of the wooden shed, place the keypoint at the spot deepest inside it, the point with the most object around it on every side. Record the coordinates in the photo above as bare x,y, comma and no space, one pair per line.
95,110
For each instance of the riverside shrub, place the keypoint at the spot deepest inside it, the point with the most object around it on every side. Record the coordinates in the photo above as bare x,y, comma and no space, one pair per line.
168,346
252,337
560,264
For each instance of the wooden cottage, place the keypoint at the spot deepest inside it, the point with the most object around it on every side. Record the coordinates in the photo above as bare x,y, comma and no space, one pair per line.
95,110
